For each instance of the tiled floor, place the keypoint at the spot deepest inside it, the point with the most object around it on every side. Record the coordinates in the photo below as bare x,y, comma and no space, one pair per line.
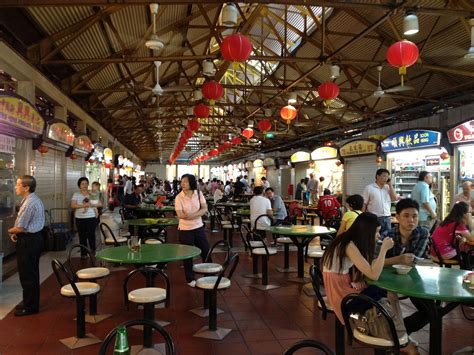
262,322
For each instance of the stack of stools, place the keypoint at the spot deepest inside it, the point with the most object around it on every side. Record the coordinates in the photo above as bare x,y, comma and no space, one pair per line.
208,268
210,285
91,274
79,291
147,297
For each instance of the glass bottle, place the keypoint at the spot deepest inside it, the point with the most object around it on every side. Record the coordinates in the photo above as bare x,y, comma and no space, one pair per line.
121,342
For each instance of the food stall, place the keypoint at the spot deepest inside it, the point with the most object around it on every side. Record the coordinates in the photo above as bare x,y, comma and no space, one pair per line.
299,163
359,157
19,121
408,153
325,165
462,138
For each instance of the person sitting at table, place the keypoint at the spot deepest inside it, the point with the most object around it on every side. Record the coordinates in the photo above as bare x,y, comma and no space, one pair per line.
190,206
219,193
132,202
458,224
328,205
465,195
350,258
278,206
228,189
259,205
410,240
354,203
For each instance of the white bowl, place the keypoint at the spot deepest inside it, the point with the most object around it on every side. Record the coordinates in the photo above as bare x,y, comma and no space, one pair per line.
402,269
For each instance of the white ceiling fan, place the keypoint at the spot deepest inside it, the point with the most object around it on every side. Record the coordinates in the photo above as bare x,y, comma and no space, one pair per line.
379,92
154,42
157,90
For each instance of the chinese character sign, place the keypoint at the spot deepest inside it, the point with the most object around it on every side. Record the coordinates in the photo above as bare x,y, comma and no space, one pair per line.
20,114
462,133
411,139
358,147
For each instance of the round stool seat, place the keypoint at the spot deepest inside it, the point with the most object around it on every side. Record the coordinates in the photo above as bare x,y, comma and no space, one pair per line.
119,240
207,268
124,234
208,283
92,273
368,339
284,240
147,295
225,222
256,243
246,220
315,253
84,288
153,241
262,251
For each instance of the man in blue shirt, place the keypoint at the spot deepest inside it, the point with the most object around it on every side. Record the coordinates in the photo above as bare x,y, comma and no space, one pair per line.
26,234
422,194
278,206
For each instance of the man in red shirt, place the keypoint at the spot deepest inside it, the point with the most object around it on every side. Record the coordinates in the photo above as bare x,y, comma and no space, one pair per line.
328,205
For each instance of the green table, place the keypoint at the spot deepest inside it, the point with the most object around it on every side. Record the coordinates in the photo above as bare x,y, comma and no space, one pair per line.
301,236
429,284
151,222
243,212
233,204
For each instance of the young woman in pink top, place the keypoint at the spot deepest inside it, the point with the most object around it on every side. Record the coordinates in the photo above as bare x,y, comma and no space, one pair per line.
458,222
190,205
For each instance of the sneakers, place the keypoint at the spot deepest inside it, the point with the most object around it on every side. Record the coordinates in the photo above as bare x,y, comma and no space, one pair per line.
192,283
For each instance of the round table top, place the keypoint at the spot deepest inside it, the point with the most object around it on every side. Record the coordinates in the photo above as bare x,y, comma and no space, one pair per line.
149,254
152,208
300,230
233,204
243,212
145,222
428,282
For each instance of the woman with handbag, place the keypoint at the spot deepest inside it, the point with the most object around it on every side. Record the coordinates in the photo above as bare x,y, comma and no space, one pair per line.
190,206
349,258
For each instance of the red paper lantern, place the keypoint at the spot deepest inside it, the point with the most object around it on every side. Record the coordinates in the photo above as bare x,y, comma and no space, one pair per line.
248,133
402,54
328,91
236,141
227,145
213,152
193,125
444,155
264,125
201,111
288,113
212,91
236,48
187,134
379,160
220,148
43,149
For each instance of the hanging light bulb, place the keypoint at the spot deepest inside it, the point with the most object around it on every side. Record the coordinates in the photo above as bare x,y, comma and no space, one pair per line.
190,111
268,112
410,24
470,52
208,68
292,98
229,15
335,71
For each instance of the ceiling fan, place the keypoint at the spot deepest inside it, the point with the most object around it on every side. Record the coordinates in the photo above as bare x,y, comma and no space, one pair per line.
379,92
154,42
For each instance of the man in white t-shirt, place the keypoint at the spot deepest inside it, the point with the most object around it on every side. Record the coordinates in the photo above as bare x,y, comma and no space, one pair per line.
259,205
128,187
378,198
265,183
313,185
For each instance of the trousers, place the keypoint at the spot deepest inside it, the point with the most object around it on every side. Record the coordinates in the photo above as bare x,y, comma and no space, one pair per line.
86,230
28,250
195,237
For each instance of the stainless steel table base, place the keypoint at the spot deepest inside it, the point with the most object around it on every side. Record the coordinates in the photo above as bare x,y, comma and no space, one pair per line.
288,270
204,312
265,287
254,276
300,280
206,333
76,343
96,318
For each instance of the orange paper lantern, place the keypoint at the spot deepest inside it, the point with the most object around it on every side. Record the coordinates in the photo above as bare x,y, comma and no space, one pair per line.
248,133
288,113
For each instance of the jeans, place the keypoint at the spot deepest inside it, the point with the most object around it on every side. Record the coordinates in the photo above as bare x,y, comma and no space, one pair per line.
385,223
197,238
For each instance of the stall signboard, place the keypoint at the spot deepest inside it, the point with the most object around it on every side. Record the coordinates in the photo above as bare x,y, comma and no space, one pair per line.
358,147
83,143
18,116
108,155
462,133
300,157
418,138
61,132
258,163
268,162
324,153
248,164
7,144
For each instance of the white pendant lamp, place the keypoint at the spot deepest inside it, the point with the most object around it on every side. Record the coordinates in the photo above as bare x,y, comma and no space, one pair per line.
292,98
470,52
229,15
410,24
197,95
335,71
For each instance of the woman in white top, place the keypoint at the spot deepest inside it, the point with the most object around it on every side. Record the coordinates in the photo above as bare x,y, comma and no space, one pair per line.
190,206
84,213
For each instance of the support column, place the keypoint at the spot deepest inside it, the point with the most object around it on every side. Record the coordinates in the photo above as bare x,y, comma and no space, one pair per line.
81,126
60,113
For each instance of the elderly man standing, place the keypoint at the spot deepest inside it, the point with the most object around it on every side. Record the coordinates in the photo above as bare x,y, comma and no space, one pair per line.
422,194
313,187
26,233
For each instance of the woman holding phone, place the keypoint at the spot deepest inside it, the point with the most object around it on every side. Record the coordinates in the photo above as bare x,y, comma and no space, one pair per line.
86,220
190,206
